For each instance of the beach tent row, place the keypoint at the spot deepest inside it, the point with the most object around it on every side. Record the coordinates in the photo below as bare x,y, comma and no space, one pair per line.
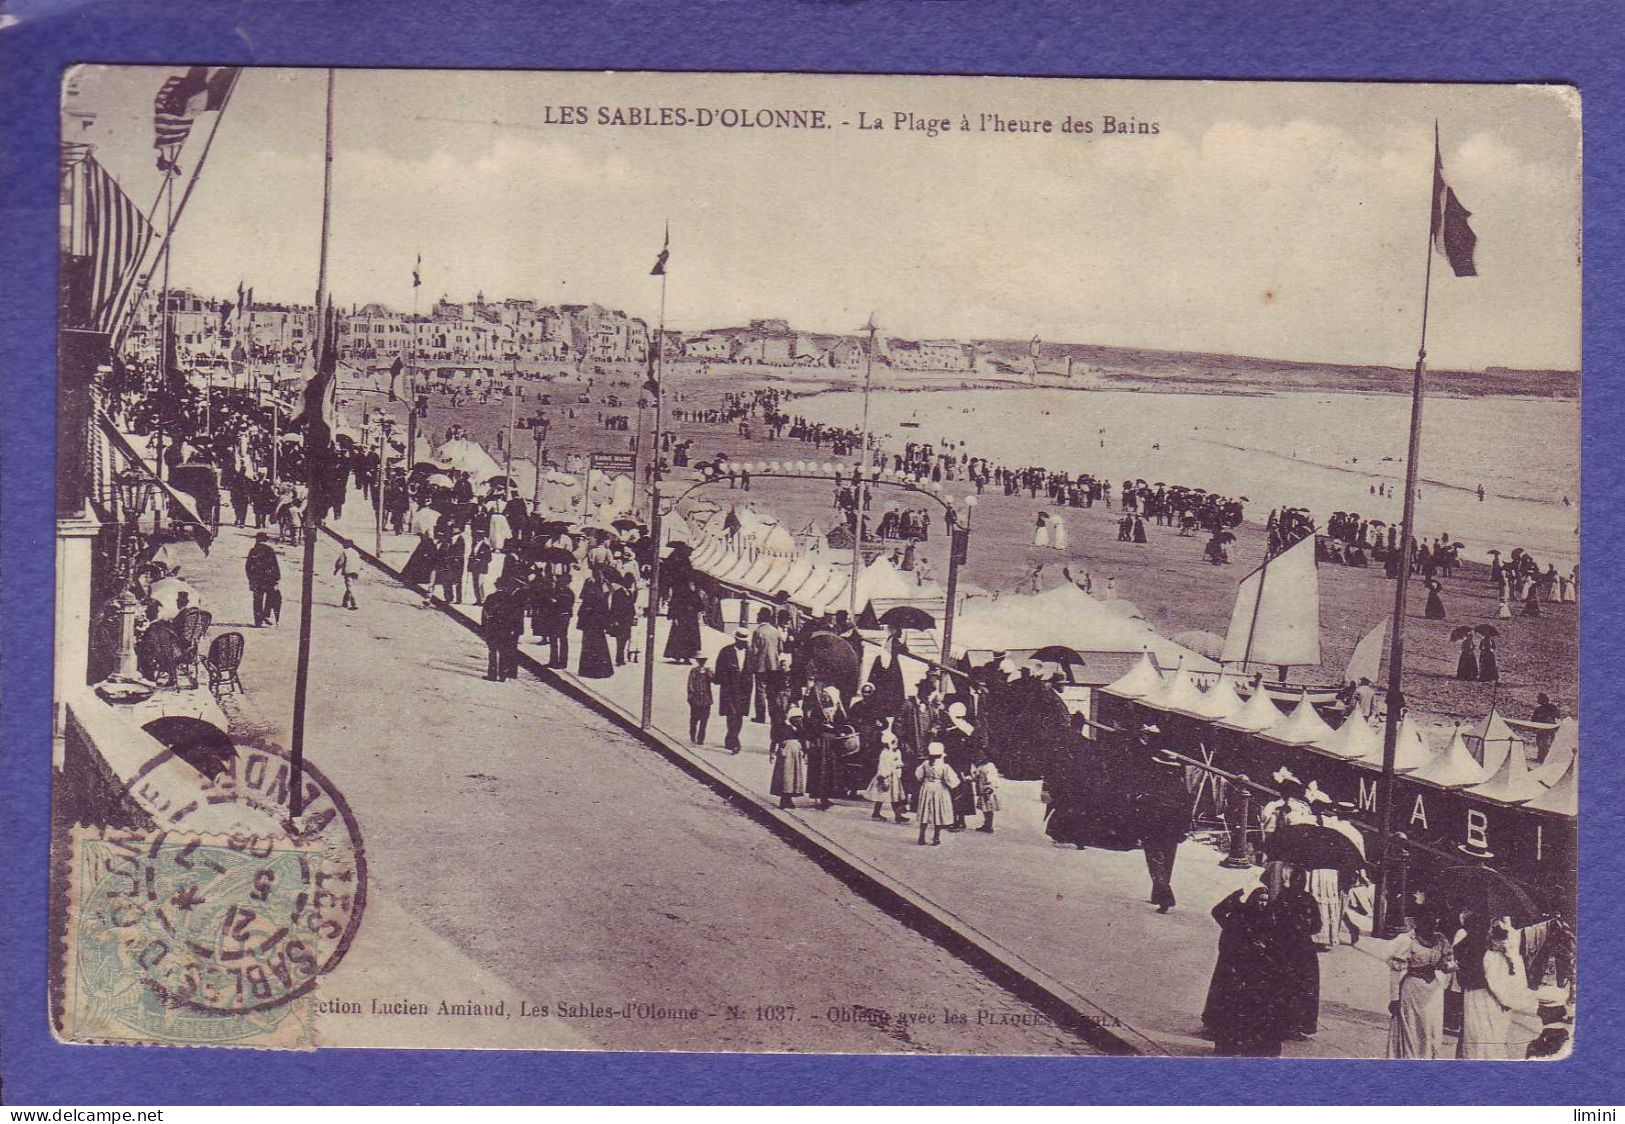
762,559
1475,795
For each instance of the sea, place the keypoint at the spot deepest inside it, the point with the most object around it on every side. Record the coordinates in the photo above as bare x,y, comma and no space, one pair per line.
1318,450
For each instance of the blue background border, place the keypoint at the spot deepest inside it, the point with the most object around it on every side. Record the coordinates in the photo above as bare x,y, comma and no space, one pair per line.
1487,41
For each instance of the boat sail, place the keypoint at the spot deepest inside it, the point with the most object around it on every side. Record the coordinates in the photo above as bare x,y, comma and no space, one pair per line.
1276,617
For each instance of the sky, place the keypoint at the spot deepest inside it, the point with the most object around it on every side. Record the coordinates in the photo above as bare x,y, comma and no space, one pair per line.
1287,220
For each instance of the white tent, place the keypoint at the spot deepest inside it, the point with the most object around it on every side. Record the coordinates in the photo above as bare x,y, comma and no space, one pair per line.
470,457
1177,693
1066,616
1490,740
1410,749
1304,726
1218,702
797,573
1454,766
1563,798
1256,715
882,581
1354,740
1565,744
1139,681
1512,782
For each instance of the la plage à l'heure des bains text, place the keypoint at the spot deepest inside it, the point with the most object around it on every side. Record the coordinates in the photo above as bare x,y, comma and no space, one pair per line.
908,121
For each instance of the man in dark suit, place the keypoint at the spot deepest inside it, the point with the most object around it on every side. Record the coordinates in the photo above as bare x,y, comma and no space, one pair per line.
1161,815
502,619
734,687
263,575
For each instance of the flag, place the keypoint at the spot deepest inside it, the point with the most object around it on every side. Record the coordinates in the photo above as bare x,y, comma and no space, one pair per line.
652,384
417,272
1451,235
180,99
395,370
116,235
665,252
1276,617
318,417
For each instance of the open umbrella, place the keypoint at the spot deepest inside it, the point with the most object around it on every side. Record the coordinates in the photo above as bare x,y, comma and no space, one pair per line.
625,524
1488,892
439,480
1486,630
1224,537
1310,846
203,746
1457,635
1059,654
553,556
501,482
909,617
552,528
166,591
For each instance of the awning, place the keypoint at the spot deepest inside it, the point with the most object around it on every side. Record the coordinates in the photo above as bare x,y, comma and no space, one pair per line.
201,531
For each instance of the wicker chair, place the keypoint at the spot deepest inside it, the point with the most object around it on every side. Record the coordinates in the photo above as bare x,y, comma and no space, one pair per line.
225,656
191,624
165,656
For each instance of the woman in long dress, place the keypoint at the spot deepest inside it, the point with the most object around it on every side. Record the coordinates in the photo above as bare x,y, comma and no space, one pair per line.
1418,970
1057,532
1041,531
1435,605
593,618
1489,669
1493,986
937,782
1467,664
1247,1008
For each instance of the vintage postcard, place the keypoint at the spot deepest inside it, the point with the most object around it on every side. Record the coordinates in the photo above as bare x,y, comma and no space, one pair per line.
817,563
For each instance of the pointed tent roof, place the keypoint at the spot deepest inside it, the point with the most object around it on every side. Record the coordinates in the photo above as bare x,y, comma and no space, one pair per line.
1139,681
1304,726
1062,615
1256,715
1565,745
1512,782
1355,740
1218,702
1563,798
880,579
1454,766
779,541
1492,737
1178,692
1410,749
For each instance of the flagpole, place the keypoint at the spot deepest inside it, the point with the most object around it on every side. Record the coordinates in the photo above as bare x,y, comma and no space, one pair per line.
313,495
653,607
863,479
1396,643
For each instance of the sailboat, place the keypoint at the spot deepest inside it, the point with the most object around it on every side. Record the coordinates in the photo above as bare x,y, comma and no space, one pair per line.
1276,617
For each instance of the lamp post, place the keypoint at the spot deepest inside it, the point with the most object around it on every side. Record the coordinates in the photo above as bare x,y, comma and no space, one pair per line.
133,492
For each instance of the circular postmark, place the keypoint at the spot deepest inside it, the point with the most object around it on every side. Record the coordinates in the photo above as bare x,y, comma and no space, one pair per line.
232,921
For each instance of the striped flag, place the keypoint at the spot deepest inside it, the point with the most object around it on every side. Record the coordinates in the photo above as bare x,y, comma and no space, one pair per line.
180,99
417,272
116,237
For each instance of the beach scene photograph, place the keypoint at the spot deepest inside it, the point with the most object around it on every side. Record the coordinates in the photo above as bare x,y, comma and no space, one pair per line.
817,563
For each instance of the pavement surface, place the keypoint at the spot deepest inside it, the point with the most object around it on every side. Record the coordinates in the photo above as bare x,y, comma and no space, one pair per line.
527,852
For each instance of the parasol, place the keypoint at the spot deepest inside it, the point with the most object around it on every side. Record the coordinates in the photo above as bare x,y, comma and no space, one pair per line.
551,528
625,524
1486,630
553,556
439,480
1060,654
194,741
1457,635
166,592
1488,892
1311,846
909,617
